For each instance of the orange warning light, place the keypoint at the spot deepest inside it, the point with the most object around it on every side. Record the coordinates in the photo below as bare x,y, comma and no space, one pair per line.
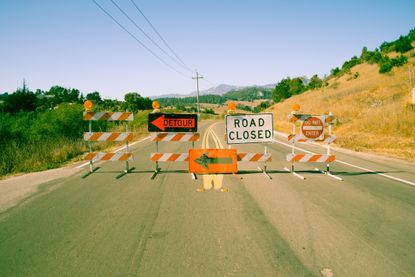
296,107
88,104
156,105
231,106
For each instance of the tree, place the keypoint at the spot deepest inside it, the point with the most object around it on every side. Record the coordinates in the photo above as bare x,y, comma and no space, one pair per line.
135,102
21,100
315,82
296,86
335,71
94,97
403,44
282,90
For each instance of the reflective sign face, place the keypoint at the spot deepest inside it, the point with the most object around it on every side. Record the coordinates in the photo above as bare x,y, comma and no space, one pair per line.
313,127
249,128
206,161
158,122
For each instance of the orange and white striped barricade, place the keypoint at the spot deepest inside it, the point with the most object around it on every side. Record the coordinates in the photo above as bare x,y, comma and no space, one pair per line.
312,129
90,137
171,157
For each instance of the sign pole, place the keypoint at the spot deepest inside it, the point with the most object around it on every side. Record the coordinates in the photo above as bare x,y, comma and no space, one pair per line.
197,95
292,147
328,147
90,148
126,148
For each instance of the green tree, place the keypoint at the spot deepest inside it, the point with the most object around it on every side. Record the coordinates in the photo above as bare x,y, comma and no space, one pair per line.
315,82
281,90
94,97
403,44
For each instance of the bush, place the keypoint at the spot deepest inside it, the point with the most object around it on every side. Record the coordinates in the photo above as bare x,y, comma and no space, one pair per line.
385,67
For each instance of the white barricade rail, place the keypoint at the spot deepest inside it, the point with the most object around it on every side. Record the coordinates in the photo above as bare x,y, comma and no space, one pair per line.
108,136
108,116
101,156
181,137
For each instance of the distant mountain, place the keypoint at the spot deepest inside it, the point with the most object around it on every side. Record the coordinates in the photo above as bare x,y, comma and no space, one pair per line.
218,90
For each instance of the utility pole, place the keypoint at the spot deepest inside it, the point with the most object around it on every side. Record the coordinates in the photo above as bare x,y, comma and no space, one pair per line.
197,90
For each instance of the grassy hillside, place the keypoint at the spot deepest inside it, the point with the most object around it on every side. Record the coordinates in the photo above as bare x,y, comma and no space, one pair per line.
374,111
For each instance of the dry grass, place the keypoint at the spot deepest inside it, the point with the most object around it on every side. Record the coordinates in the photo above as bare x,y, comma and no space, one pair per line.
374,111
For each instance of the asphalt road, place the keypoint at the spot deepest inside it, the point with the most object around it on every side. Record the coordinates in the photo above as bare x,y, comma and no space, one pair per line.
224,225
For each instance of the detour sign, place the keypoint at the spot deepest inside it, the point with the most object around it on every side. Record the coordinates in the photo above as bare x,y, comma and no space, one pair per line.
313,128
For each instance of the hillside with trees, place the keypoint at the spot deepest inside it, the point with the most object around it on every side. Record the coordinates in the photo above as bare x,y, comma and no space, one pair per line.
369,94
387,56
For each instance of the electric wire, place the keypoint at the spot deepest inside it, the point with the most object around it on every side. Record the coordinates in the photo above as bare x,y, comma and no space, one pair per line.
137,40
147,36
160,36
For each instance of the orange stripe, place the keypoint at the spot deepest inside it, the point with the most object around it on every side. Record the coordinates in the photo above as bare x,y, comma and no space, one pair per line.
298,157
130,137
125,156
290,137
105,116
160,137
241,156
124,116
113,136
177,137
90,156
314,158
195,137
95,136
156,157
256,157
107,156
173,157
88,115
331,158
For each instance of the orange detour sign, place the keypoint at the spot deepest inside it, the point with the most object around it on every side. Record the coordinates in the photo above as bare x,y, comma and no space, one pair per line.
313,128
207,161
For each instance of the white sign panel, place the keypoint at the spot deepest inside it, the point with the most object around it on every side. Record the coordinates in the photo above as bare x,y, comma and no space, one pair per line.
249,128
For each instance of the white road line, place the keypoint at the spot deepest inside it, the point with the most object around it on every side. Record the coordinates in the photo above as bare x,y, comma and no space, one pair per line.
117,150
351,165
381,174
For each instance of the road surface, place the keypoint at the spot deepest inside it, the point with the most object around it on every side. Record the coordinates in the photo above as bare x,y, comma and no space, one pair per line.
224,225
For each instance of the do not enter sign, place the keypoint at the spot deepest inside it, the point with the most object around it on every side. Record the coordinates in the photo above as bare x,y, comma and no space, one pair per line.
313,128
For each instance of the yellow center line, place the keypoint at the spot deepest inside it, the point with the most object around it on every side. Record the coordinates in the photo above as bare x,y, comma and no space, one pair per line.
212,180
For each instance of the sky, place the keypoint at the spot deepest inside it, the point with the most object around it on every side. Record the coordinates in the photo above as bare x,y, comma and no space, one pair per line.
75,44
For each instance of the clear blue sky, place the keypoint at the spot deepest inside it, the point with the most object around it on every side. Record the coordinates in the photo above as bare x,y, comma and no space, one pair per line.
74,44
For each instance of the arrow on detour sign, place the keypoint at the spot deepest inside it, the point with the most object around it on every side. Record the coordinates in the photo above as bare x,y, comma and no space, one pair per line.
172,122
205,161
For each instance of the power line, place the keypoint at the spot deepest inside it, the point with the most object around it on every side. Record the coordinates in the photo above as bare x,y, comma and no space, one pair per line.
144,33
159,35
136,39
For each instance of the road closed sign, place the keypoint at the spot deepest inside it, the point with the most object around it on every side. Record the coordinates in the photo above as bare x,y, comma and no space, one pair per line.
249,128
313,128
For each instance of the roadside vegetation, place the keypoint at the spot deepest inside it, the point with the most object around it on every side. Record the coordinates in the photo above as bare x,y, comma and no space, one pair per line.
44,129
